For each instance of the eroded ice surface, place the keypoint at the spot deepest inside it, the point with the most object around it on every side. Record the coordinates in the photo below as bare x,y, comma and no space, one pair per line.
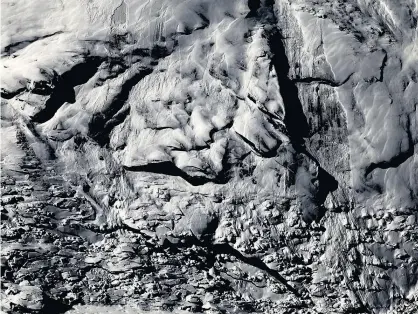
211,156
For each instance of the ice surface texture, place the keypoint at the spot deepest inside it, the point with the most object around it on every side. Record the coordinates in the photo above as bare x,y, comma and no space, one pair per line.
216,156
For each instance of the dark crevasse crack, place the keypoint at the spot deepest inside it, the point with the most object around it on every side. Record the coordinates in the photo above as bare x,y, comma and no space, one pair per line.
214,249
13,48
170,169
64,89
333,184
225,127
397,160
118,16
310,80
250,97
205,20
295,118
295,126
225,248
383,66
326,184
392,163
211,249
270,154
272,118
9,95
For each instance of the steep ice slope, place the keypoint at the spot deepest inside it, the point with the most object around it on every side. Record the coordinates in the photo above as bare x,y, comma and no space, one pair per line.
249,156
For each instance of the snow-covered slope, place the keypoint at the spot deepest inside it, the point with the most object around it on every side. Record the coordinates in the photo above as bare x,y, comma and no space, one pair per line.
210,155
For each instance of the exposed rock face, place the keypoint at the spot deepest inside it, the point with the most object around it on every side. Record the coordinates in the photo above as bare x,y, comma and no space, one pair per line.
209,156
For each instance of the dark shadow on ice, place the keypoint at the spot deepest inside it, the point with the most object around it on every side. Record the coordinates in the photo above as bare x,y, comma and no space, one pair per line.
102,123
295,119
253,5
392,163
54,306
64,89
